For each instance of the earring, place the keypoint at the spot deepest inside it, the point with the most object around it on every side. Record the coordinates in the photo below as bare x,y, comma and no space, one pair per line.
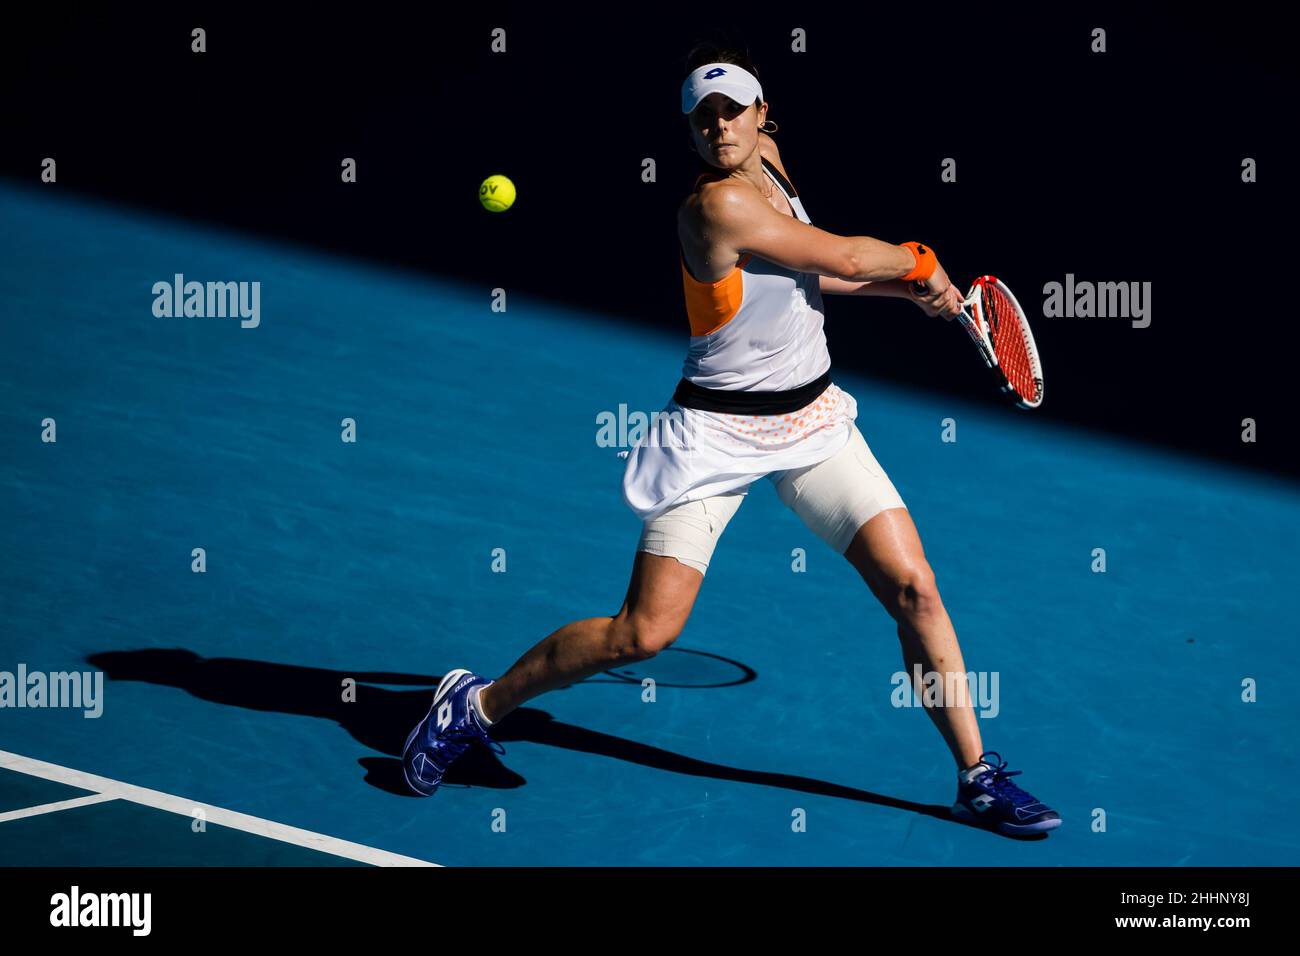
765,126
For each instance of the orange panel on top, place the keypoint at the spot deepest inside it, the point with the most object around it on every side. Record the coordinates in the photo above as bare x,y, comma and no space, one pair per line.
711,305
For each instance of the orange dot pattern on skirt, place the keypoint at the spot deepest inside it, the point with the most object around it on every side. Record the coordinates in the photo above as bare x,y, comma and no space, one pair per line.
784,429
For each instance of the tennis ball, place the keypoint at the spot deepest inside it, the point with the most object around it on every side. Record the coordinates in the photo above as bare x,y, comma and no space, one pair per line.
497,194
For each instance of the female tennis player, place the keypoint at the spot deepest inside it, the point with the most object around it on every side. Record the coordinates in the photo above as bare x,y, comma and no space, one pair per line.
756,400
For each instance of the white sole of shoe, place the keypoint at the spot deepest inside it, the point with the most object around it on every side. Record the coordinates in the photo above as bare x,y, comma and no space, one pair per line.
959,811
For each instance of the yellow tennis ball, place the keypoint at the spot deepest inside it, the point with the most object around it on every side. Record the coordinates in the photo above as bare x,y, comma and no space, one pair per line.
497,194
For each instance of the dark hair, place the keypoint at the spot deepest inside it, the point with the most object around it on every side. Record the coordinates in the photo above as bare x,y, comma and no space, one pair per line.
709,51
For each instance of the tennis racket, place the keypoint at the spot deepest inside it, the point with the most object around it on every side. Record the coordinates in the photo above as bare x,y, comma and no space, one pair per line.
997,325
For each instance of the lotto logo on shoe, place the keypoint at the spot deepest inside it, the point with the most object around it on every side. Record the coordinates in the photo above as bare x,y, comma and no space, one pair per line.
982,802
461,684
444,714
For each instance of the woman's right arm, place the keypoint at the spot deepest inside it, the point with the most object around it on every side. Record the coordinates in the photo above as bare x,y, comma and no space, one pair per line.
742,220
745,221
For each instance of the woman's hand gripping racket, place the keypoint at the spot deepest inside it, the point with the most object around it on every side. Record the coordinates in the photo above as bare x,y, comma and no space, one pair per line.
997,325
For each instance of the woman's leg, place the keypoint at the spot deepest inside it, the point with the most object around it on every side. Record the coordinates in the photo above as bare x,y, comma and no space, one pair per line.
659,600
851,504
671,560
887,552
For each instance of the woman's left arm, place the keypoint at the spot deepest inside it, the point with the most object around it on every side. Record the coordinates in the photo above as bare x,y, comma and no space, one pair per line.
895,288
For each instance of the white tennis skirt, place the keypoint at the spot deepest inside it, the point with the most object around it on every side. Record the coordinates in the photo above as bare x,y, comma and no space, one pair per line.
834,498
688,454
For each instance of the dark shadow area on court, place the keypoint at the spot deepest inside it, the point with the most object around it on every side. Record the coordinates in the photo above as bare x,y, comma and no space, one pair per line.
1061,169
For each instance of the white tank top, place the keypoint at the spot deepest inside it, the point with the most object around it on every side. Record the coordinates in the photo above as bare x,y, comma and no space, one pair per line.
759,328
775,340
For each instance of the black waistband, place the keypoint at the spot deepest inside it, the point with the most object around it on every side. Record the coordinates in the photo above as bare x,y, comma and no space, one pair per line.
737,402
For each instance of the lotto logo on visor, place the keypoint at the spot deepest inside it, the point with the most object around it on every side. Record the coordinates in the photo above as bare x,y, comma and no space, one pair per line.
725,78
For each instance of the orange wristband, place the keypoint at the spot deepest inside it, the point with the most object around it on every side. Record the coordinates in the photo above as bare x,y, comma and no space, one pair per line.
925,262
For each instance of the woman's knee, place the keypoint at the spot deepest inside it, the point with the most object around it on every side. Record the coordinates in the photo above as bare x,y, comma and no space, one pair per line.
912,592
638,637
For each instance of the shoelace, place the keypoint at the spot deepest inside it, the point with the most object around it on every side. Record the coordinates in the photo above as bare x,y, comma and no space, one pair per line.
452,743
996,779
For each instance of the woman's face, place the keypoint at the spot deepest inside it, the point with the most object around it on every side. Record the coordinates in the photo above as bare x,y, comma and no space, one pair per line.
725,132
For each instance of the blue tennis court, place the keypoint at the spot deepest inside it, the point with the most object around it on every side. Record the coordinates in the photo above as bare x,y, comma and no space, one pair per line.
275,689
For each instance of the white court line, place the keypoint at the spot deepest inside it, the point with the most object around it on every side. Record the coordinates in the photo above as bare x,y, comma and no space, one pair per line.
56,807
115,789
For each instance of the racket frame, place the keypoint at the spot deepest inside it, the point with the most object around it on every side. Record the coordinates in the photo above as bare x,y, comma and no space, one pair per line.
975,323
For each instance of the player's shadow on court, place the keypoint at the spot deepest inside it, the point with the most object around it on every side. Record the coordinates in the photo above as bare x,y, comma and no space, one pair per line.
380,718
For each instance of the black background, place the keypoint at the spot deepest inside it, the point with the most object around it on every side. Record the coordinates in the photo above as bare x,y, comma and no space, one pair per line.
1120,166
746,908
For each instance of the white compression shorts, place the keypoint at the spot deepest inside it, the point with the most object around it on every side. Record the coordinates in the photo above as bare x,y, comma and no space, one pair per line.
833,498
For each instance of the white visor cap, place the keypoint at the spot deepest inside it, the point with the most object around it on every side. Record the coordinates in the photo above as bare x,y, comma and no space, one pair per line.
726,78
